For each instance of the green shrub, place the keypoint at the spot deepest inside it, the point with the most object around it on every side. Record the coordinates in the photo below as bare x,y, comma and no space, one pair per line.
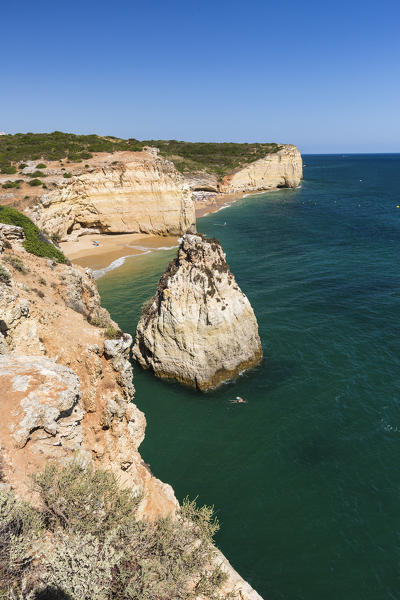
35,242
8,170
67,175
41,166
21,527
5,275
11,184
35,182
84,500
37,174
93,545
112,333
16,263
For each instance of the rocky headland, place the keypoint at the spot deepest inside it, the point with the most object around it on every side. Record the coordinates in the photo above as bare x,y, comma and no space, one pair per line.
280,169
66,388
148,191
199,328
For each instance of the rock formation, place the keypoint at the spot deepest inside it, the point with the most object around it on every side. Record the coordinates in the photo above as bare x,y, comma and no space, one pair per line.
134,192
66,389
279,169
199,328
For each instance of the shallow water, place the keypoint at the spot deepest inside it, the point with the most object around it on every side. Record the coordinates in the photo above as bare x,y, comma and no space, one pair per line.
305,477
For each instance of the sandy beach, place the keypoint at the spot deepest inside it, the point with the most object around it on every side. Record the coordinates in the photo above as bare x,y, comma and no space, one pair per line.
83,252
113,246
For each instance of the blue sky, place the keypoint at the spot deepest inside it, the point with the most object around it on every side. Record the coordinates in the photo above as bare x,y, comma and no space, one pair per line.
323,75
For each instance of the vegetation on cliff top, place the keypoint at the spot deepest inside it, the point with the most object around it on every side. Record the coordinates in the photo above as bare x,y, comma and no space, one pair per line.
86,542
218,158
35,241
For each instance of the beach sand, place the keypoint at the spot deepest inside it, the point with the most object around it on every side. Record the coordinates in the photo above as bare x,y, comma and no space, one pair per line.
113,246
211,204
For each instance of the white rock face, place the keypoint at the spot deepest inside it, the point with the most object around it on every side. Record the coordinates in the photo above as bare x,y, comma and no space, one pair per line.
145,194
279,169
44,396
199,328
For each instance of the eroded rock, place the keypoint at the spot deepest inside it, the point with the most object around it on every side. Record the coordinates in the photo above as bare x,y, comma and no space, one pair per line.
199,328
41,395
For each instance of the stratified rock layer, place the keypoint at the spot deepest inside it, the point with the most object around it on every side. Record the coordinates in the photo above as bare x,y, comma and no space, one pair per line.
199,328
139,193
279,169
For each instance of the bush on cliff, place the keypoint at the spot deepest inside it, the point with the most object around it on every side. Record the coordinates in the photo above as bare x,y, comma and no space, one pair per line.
35,242
86,542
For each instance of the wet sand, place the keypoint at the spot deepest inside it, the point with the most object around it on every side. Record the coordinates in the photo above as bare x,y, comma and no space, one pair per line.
83,252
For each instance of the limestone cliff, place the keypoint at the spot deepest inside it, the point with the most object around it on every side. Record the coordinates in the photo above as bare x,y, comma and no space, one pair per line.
66,383
199,328
283,168
280,169
129,193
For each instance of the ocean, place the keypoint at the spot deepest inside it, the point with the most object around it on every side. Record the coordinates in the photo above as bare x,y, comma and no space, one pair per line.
305,477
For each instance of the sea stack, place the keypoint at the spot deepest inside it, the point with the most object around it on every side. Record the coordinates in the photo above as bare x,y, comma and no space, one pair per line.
199,328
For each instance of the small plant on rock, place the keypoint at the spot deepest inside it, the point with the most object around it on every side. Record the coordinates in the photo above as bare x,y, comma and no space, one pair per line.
16,263
5,275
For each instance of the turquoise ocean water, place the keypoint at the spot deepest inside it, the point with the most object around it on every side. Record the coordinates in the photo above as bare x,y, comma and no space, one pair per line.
305,477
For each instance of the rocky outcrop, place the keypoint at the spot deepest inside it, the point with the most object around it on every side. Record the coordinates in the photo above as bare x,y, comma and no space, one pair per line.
131,193
199,328
279,169
43,401
66,390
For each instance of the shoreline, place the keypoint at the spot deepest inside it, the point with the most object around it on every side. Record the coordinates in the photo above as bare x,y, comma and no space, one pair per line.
114,249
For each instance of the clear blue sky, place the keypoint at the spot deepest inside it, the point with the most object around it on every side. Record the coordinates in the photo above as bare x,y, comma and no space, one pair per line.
320,74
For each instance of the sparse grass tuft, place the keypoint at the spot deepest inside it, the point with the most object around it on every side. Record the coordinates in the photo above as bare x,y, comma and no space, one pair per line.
112,333
16,263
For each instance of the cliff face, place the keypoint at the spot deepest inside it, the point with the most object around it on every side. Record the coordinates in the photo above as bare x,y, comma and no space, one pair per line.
280,169
131,193
65,389
199,328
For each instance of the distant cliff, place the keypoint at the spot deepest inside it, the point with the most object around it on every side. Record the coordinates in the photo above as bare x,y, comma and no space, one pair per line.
283,168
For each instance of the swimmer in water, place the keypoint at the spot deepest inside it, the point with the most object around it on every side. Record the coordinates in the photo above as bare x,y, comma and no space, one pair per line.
239,400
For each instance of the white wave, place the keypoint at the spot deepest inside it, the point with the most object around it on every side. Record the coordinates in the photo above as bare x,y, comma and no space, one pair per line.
115,265
120,261
222,207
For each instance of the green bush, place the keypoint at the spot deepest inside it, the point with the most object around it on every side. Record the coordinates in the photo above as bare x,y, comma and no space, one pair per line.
35,182
37,174
67,175
35,242
21,528
11,184
8,170
41,166
93,545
